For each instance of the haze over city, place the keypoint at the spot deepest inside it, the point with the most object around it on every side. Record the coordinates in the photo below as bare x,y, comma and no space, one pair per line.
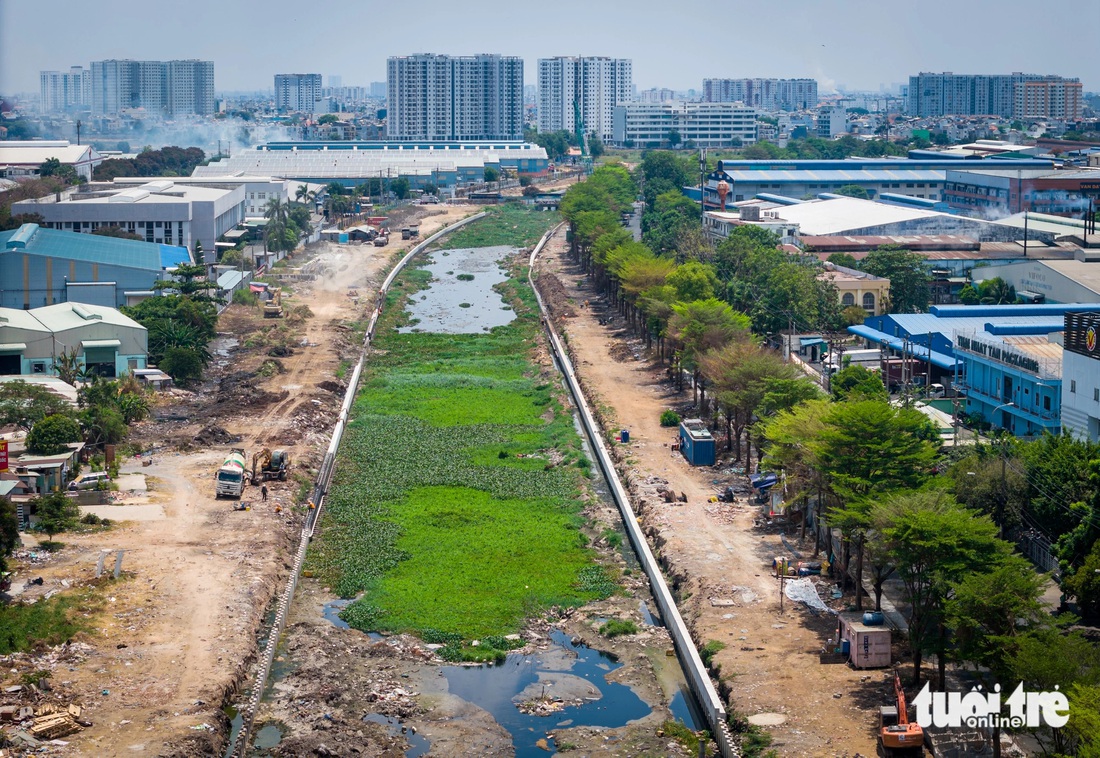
854,45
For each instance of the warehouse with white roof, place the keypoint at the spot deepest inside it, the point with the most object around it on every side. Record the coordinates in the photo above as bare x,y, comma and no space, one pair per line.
23,159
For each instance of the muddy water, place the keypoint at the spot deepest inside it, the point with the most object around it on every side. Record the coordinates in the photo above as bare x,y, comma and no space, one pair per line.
461,299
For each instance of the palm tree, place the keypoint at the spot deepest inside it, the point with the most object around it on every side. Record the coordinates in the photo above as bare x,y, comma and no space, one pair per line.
302,193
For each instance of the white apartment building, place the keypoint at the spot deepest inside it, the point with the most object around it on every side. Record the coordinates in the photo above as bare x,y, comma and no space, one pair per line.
764,94
705,124
590,86
442,97
64,91
832,121
163,88
297,92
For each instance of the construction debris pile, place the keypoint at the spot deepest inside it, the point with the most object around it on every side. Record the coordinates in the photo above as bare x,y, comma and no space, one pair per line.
37,712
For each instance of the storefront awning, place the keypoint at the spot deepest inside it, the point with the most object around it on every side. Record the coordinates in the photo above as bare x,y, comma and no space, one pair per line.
12,347
93,344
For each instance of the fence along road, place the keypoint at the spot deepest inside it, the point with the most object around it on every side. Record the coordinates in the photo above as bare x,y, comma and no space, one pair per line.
701,685
317,499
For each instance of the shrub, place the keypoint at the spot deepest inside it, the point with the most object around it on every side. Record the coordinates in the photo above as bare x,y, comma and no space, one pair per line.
52,434
618,627
182,364
709,650
246,297
670,418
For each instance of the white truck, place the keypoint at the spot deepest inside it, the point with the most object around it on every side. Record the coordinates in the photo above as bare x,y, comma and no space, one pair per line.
230,477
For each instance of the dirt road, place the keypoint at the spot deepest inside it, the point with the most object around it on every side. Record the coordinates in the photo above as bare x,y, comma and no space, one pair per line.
174,636
717,560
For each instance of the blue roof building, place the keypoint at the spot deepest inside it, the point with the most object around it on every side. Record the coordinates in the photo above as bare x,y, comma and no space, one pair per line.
1001,357
40,266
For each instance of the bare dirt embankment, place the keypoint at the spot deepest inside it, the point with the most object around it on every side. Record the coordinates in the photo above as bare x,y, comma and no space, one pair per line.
716,556
170,640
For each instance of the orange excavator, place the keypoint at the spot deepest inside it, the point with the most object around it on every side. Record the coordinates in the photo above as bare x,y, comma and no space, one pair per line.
897,735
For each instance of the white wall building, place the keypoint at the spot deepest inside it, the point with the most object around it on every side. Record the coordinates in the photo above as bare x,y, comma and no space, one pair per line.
297,92
1081,376
592,86
24,158
159,211
65,91
832,121
162,88
443,97
705,124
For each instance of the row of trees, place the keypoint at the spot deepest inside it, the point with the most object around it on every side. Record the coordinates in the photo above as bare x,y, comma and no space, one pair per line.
168,161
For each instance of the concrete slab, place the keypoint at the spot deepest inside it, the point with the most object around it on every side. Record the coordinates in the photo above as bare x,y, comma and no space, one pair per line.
148,512
131,482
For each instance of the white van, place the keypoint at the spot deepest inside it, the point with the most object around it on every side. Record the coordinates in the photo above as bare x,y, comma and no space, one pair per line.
93,480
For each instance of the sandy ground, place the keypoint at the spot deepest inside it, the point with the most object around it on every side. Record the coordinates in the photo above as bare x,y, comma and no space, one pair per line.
172,639
714,556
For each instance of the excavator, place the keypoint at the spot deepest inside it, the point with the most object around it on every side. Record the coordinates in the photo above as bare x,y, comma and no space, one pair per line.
269,465
273,308
898,736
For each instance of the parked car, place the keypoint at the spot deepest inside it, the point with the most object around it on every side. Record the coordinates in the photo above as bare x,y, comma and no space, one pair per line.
93,480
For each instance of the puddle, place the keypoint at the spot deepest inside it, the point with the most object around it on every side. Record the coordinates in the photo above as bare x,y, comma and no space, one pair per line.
236,721
461,299
647,616
683,709
419,745
267,737
494,687
331,612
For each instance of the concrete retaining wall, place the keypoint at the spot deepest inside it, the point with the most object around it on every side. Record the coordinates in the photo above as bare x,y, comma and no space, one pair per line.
698,678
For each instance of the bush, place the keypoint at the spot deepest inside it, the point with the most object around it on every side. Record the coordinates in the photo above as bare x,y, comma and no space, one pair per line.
618,627
52,434
246,297
670,418
182,364
709,650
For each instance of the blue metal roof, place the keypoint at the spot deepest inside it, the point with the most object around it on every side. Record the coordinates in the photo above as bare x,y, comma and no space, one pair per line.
943,360
30,239
857,164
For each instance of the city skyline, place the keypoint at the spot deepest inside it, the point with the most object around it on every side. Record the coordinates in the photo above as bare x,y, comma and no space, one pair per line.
862,45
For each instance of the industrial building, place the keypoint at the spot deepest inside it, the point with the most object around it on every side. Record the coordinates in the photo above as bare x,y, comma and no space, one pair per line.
918,177
103,339
161,211
297,92
45,266
22,159
1017,95
442,164
995,192
443,97
703,124
590,87
1050,281
161,88
1081,376
763,94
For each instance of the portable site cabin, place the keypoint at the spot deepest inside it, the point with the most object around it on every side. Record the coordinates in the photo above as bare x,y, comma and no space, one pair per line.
867,645
696,442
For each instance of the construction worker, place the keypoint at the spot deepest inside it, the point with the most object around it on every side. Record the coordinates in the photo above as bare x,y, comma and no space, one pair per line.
263,493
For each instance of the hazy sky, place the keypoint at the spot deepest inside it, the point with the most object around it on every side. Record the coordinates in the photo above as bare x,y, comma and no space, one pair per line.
857,44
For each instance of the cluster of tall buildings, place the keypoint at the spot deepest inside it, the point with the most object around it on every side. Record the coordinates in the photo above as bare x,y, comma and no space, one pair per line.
588,89
163,88
1022,96
297,92
765,94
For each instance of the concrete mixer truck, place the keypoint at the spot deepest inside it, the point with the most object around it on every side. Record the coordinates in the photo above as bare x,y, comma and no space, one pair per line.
230,477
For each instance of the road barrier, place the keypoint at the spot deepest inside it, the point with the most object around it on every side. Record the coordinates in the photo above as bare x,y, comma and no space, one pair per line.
696,672
317,499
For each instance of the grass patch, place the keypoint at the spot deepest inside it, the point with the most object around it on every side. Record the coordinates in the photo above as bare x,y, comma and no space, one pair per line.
509,224
50,621
689,739
618,628
711,649
445,510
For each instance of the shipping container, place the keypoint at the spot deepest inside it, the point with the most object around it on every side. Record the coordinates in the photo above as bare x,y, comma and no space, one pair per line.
868,646
696,442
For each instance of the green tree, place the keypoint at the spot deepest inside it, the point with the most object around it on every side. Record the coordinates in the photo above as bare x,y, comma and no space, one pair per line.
854,190
183,364
996,291
1084,584
491,174
857,382
55,512
400,187
934,542
968,295
595,145
53,434
907,274
702,325
847,260
673,138
693,281
9,531
103,425
328,118
24,404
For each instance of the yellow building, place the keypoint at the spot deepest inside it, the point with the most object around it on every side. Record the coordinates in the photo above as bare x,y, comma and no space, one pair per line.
871,293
